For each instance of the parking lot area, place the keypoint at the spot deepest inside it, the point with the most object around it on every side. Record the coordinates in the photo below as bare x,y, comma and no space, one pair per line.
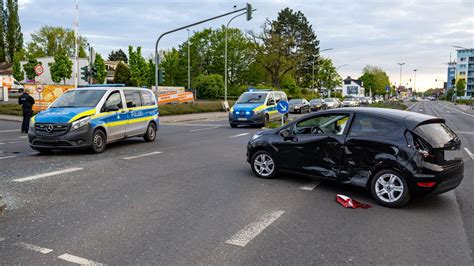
190,198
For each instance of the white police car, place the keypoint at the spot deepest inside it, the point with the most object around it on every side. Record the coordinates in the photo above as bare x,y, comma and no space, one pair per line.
92,117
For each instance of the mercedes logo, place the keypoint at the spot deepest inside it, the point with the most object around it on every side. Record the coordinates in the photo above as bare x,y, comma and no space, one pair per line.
49,128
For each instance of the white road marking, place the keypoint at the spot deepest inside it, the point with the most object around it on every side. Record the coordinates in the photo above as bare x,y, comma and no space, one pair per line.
2,238
239,135
6,157
1,143
77,260
23,137
142,155
244,236
33,247
421,110
200,129
9,130
465,132
13,142
310,186
29,178
469,153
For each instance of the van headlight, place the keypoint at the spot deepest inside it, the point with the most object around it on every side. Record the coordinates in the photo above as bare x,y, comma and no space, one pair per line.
255,136
80,123
258,111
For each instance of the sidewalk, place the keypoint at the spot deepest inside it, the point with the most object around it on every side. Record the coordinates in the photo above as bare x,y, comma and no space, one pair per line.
163,119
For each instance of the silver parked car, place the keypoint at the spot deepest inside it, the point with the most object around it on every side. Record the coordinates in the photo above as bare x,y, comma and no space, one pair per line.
332,103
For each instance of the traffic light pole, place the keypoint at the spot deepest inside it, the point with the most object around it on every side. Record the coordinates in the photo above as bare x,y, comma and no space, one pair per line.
157,56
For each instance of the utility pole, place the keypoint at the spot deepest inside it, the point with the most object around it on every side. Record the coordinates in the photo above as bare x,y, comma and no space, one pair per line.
157,56
76,40
189,65
314,61
414,84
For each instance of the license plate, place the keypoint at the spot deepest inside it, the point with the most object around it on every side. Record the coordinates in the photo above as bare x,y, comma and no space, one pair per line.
49,139
452,155
242,118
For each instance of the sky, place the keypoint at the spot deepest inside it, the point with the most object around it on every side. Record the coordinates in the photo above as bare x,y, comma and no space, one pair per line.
419,33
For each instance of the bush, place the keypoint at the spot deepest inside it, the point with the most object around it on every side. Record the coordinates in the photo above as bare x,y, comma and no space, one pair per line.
289,84
198,107
209,86
11,109
337,95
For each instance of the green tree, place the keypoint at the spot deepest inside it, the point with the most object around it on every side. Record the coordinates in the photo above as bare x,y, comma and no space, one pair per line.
375,80
122,74
450,94
49,40
13,35
61,68
118,55
18,73
29,68
294,26
174,68
2,32
138,67
99,65
150,73
327,75
209,86
461,87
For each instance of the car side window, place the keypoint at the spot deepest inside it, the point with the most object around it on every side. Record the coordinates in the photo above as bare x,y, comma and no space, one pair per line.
270,99
147,98
366,125
330,124
114,100
133,98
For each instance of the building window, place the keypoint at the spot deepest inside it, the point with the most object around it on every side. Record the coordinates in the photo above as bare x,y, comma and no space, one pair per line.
462,59
462,73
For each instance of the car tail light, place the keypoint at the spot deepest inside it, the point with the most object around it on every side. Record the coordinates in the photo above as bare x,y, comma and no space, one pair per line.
426,184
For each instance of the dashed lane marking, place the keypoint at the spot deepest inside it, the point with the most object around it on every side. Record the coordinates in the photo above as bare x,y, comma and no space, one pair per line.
252,230
13,142
33,247
142,155
9,130
239,135
469,153
200,129
310,186
78,260
6,157
23,137
1,143
2,238
29,178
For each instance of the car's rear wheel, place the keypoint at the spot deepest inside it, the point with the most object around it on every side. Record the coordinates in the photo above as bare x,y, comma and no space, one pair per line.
263,165
98,141
390,189
150,134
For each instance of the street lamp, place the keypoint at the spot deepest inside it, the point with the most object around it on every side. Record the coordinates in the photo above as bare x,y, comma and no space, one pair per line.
314,59
414,82
337,68
189,65
400,84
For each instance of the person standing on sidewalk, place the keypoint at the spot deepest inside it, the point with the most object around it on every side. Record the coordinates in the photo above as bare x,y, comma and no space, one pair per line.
26,102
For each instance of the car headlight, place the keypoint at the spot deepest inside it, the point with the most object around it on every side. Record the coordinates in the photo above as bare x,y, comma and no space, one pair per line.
80,123
257,111
255,136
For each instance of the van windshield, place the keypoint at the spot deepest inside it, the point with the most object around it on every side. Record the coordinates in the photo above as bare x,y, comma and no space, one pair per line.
438,135
79,98
252,98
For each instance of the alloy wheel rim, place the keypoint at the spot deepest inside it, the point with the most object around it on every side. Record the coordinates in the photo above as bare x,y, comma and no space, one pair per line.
389,188
264,165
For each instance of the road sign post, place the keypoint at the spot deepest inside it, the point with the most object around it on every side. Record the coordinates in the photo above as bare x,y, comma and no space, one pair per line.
283,108
39,89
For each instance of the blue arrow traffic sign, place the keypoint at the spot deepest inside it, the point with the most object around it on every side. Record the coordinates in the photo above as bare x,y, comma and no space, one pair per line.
387,88
283,107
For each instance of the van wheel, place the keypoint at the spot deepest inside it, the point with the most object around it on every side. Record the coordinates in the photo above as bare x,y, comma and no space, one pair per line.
98,141
266,120
150,134
390,189
263,165
233,125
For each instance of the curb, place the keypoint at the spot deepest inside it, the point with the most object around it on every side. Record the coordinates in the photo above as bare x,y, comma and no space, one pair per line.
11,118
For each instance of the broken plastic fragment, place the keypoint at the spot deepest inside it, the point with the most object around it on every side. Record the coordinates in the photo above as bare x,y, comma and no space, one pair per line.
347,202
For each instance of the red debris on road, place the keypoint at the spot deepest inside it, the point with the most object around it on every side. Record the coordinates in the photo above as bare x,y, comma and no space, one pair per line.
347,202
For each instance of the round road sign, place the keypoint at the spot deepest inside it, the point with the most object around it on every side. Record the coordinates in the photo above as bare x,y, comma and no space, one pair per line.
39,89
283,107
39,70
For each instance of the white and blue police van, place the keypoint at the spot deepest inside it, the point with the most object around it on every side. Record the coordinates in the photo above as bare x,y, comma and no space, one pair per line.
92,117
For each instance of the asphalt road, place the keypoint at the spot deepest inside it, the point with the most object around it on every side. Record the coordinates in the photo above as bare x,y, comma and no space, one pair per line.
191,198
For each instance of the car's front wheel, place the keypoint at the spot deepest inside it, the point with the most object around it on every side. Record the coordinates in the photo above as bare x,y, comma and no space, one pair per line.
263,165
98,141
390,189
150,134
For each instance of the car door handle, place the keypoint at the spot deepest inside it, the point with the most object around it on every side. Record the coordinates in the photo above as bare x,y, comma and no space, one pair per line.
123,111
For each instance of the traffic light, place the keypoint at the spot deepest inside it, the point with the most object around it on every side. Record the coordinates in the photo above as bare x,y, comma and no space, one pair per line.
249,11
160,77
94,72
85,73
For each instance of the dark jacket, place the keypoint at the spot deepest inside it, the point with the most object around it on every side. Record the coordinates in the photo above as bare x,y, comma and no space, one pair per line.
26,101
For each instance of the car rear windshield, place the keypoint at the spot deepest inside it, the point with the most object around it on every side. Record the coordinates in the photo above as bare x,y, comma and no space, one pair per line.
252,97
79,98
316,101
438,135
296,101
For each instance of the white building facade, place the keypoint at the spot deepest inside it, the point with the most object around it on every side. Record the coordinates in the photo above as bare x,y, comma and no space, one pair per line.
353,87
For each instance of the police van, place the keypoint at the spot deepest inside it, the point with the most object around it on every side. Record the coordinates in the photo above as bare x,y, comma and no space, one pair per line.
256,107
92,117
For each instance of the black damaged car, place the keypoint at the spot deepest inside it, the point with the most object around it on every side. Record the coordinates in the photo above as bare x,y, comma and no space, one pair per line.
393,154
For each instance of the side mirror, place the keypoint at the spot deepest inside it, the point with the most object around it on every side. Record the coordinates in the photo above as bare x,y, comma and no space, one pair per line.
113,108
285,133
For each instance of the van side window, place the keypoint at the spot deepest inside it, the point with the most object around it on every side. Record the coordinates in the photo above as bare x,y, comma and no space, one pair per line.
277,97
147,98
114,100
133,98
366,125
270,99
